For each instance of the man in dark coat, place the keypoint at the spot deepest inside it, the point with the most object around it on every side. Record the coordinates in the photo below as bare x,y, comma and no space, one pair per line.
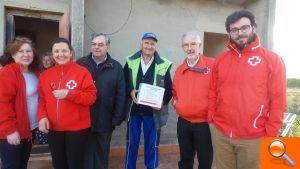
108,110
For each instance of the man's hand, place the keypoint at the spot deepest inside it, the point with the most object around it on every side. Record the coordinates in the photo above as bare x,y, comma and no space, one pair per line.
44,125
174,102
14,138
133,95
61,93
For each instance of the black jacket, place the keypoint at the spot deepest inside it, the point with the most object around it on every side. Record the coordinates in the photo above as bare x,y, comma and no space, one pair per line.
147,78
108,110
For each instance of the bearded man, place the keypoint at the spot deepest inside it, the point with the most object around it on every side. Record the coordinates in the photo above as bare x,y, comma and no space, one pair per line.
247,96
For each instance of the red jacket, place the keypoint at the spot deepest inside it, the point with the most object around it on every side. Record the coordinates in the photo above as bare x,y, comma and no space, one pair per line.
248,92
13,104
190,90
73,112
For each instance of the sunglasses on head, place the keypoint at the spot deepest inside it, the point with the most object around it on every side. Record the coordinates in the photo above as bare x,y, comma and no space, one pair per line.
22,39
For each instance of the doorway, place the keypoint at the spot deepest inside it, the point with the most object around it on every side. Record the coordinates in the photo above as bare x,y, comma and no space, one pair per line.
215,44
40,26
40,31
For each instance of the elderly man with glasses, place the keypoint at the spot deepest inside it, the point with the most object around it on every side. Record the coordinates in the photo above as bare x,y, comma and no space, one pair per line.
190,99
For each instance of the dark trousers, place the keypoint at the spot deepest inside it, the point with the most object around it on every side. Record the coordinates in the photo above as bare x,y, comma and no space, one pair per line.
15,157
97,155
67,148
194,137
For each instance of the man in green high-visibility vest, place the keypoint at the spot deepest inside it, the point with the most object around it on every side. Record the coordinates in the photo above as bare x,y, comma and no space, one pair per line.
146,66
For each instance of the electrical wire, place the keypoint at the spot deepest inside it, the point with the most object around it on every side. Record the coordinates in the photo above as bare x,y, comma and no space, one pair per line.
120,28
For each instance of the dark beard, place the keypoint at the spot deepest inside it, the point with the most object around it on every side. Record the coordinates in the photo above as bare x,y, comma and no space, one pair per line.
242,46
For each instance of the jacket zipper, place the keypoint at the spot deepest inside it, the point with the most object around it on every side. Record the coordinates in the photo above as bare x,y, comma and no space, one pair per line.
57,100
236,51
258,116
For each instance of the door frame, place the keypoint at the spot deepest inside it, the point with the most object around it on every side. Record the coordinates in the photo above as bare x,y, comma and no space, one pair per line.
11,12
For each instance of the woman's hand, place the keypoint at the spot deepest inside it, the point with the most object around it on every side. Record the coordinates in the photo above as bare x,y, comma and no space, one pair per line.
14,138
44,125
61,93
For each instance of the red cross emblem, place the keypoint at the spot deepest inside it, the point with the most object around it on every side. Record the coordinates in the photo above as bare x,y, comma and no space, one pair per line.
254,60
207,70
71,84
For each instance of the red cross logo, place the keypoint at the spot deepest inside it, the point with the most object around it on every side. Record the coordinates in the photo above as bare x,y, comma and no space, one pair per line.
207,70
254,60
71,84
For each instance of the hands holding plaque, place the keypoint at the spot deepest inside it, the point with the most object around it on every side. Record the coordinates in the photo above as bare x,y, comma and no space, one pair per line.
149,95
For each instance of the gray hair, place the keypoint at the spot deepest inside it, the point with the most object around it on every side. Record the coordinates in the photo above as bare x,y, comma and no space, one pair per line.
192,33
107,39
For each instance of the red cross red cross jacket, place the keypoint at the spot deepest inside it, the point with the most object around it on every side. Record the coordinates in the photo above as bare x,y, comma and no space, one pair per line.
13,104
248,92
73,112
190,90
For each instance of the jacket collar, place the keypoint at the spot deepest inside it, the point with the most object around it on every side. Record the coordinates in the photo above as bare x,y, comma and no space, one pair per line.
17,67
199,67
248,48
157,58
65,67
107,63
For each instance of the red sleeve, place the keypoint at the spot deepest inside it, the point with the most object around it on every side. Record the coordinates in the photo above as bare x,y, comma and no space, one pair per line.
174,88
42,113
277,94
212,97
86,95
8,92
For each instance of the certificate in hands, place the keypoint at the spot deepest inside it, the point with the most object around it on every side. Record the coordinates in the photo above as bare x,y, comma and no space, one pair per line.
150,95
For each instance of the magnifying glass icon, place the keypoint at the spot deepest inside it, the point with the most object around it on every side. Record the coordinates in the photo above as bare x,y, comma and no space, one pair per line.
277,149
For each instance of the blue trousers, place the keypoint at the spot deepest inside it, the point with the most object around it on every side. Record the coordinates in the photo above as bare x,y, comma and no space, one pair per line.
151,142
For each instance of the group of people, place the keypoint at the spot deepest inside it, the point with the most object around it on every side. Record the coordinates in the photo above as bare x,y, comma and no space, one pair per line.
226,106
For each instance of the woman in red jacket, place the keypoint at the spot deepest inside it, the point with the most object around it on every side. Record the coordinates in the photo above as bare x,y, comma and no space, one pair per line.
18,102
65,93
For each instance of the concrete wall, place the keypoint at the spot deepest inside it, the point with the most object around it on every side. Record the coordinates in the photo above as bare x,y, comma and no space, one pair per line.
266,20
168,19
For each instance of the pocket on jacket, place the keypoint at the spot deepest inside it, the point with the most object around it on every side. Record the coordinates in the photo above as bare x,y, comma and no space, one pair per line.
258,120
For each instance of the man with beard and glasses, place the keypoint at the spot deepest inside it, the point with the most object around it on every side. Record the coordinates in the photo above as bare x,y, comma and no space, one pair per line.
190,99
247,96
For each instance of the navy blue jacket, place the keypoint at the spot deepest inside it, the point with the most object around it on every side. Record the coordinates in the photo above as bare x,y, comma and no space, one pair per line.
108,110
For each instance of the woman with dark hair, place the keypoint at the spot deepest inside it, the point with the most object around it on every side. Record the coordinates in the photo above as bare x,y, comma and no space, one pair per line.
66,92
18,102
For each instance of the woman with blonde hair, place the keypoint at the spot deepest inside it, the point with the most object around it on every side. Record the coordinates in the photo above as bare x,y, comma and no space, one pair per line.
18,102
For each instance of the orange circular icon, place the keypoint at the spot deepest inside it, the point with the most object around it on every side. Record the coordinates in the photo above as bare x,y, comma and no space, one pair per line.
277,148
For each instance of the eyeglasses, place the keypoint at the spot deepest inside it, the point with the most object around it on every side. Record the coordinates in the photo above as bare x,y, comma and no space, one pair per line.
244,29
192,45
22,39
98,44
